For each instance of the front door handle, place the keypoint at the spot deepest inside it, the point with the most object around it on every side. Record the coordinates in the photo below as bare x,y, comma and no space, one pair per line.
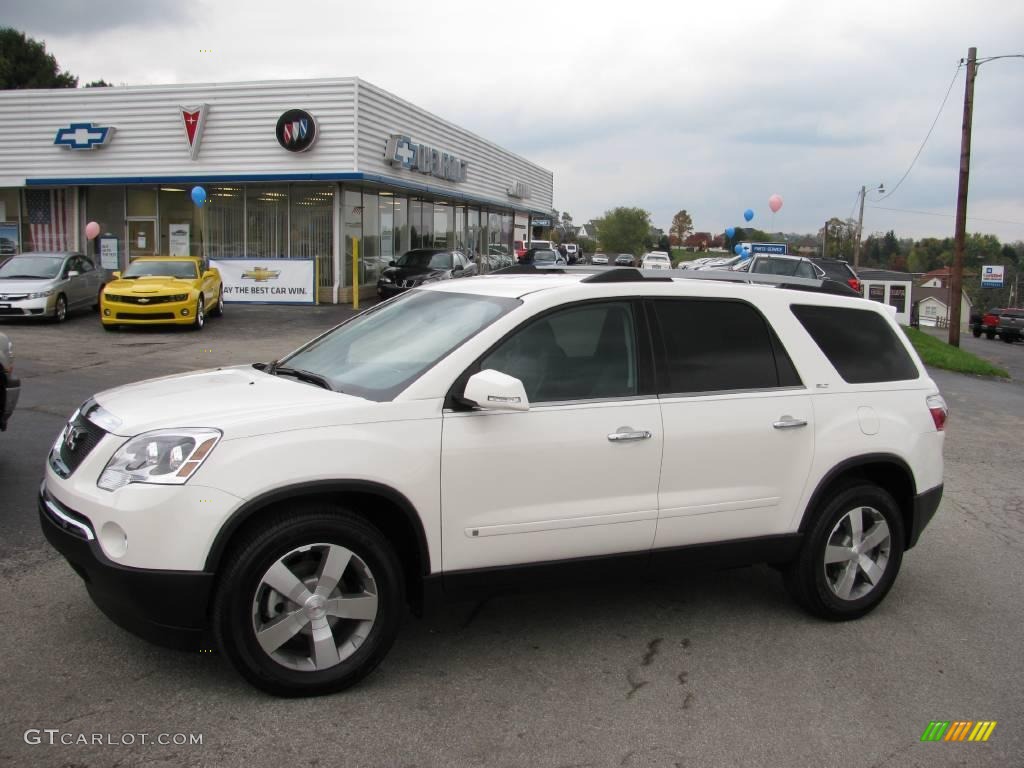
788,422
628,433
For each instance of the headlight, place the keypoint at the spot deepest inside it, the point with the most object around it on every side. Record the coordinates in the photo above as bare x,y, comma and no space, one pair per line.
162,457
386,279
41,294
179,297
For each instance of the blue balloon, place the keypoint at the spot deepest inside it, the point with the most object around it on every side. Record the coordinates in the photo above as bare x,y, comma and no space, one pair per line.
730,232
737,249
748,214
198,196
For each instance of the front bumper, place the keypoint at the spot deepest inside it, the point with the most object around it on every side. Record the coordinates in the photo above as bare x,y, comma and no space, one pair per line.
387,290
925,505
123,313
11,394
169,608
28,307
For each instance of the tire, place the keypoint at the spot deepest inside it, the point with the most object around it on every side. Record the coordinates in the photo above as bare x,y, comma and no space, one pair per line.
109,327
976,333
199,319
60,309
818,587
218,311
1008,339
990,335
291,552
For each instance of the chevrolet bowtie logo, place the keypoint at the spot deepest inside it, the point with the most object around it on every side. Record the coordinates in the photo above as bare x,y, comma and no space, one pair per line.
83,136
261,274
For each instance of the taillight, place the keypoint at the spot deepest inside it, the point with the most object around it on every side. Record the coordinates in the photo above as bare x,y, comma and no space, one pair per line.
939,411
854,283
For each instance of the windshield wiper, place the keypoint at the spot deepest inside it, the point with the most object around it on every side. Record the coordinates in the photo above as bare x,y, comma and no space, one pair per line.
301,375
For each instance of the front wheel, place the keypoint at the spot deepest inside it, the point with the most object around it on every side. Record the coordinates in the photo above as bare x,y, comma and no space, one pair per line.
1007,338
990,335
311,604
60,309
850,556
199,319
976,333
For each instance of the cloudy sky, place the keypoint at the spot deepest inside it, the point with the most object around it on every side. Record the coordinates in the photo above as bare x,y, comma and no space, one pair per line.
707,106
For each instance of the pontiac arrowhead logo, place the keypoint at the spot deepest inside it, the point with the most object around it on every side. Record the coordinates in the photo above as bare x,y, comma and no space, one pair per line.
83,136
193,119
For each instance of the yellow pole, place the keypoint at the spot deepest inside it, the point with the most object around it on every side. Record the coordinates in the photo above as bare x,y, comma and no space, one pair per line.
355,273
316,279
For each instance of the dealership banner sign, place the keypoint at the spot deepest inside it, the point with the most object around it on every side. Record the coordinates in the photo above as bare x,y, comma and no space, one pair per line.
992,276
267,281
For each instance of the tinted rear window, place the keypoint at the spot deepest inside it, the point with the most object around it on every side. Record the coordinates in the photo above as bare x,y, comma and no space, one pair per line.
859,343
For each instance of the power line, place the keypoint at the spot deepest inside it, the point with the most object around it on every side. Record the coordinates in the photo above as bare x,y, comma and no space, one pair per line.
945,215
927,135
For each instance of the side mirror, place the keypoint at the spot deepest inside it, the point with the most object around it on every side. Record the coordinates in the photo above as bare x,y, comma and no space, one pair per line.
496,391
457,268
116,274
391,263
208,273
73,273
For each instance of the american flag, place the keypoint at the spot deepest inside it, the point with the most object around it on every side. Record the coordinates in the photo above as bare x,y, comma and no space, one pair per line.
47,218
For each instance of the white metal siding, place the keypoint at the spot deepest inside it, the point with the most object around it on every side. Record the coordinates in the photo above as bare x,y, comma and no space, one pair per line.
491,168
239,135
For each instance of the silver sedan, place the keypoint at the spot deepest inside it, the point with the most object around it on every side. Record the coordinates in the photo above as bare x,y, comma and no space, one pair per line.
48,285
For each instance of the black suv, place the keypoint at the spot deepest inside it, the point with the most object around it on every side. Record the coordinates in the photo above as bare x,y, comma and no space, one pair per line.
840,271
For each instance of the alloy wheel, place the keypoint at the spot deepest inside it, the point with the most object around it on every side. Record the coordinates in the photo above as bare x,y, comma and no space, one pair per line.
857,553
60,312
314,607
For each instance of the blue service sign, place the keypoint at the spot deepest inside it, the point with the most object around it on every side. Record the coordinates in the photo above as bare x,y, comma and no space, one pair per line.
541,222
774,248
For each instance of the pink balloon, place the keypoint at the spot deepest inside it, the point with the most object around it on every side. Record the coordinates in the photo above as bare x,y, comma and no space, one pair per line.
775,202
92,229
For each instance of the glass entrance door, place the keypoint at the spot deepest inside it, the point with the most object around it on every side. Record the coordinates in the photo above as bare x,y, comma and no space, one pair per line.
142,238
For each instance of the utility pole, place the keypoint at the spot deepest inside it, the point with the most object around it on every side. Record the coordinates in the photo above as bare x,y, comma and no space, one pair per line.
956,279
824,241
860,227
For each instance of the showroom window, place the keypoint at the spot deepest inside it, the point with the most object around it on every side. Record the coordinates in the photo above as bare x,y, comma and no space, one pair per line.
48,223
312,227
415,223
266,214
719,346
370,252
223,222
352,213
179,223
105,206
580,353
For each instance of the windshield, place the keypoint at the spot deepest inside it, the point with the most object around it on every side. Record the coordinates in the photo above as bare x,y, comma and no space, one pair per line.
32,267
425,260
378,354
542,256
653,257
185,269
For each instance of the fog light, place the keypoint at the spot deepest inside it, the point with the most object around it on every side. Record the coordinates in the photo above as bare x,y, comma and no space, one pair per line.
106,313
113,539
184,312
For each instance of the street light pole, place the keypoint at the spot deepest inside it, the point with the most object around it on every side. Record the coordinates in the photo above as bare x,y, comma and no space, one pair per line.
956,279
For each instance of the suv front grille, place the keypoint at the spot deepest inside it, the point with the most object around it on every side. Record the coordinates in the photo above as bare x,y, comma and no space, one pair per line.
146,299
81,436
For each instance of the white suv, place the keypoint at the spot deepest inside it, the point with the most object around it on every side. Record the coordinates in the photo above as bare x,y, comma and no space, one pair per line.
477,434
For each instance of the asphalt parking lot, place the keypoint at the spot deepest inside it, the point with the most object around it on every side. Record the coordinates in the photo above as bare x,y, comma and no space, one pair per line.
708,670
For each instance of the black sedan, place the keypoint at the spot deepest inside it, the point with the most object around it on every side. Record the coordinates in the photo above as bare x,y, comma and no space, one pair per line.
624,260
423,265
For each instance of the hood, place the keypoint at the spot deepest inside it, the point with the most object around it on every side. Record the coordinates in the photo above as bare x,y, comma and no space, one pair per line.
32,285
239,400
413,273
145,286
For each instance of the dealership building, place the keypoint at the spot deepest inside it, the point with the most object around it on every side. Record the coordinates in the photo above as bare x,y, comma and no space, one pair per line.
335,176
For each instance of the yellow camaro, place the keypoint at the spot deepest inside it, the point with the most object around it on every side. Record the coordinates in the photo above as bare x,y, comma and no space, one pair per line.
162,289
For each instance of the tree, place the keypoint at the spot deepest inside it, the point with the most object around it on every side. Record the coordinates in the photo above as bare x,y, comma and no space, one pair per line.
682,225
566,230
624,230
665,244
24,63
99,84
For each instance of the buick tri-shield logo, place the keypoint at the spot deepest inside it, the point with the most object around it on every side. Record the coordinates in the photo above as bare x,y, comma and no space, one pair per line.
296,130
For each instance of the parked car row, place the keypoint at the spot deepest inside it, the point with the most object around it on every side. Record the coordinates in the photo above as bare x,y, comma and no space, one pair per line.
177,290
10,387
1005,322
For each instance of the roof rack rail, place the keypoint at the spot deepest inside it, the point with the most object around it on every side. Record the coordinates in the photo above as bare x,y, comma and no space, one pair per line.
600,274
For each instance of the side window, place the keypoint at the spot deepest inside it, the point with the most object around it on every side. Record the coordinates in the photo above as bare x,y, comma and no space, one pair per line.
579,353
806,270
859,343
719,345
84,265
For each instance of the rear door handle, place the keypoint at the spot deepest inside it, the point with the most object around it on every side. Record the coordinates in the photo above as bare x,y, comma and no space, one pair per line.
626,433
788,422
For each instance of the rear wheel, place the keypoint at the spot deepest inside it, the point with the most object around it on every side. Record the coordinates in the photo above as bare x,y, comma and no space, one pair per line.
311,604
851,554
1007,338
976,333
218,311
990,335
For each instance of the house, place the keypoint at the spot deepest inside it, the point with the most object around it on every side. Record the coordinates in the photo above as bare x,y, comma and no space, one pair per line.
937,278
888,287
933,305
699,240
588,231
